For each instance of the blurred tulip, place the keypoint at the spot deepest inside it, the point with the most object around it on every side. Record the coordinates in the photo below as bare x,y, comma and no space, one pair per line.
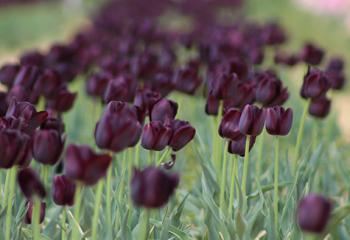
286,59
320,107
183,133
27,76
47,83
273,34
29,213
187,79
238,146
163,110
311,54
315,84
145,99
279,120
152,187
63,100
270,92
252,120
8,74
212,105
33,58
30,183
156,136
47,146
335,64
63,190
120,89
229,126
97,83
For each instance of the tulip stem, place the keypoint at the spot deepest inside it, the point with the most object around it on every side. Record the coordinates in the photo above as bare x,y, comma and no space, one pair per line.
63,224
275,198
36,219
300,136
147,227
98,199
7,180
232,186
216,153
11,190
259,157
137,155
77,202
109,199
223,181
45,173
245,170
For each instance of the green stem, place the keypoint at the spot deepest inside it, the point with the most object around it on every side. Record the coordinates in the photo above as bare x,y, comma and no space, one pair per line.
77,202
97,209
137,155
7,180
45,174
245,168
216,153
314,135
11,189
109,199
146,233
36,219
259,157
223,181
275,198
300,136
63,224
232,186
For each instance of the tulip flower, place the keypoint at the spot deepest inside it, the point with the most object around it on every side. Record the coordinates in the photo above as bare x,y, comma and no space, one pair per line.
224,86
145,99
229,125
156,136
27,76
311,54
47,146
239,67
273,34
286,59
34,58
29,213
62,101
335,64
163,110
315,84
47,83
118,127
252,120
8,73
279,120
3,103
187,79
97,83
152,187
319,107
270,92
212,105
238,146
120,89
313,213
82,164
30,183
63,190
183,133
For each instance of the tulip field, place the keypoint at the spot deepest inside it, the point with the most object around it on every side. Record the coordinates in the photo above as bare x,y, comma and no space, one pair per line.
162,119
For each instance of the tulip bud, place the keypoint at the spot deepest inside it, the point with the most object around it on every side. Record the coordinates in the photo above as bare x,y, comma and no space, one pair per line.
238,146
229,125
212,105
320,107
145,99
47,83
53,124
82,164
120,89
30,183
27,76
8,73
270,91
245,94
252,120
273,34
224,86
187,79
256,55
279,120
336,64
97,83
238,67
285,59
63,101
29,213
33,58
63,190
183,133
3,103
313,213
118,127
315,84
336,80
164,110
152,187
47,146
156,136
311,54
162,82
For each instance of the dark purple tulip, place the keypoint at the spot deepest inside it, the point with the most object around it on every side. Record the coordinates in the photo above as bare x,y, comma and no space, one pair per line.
163,110
183,133
82,164
320,107
8,73
118,127
63,190
256,55
156,136
270,92
336,80
212,105
47,146
97,83
229,126
315,84
245,94
187,79
279,120
273,34
15,148
286,59
145,99
53,123
239,67
30,183
27,76
335,64
3,103
162,82
238,146
313,213
29,213
63,100
224,86
311,54
19,93
120,89
33,58
47,83
252,120
152,187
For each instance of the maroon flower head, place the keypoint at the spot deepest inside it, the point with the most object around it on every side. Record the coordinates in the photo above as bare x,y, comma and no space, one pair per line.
212,105
47,146
336,64
63,100
8,73
315,84
336,80
47,83
224,86
313,213
229,126
279,120
311,54
156,136
29,213
118,127
238,146
273,34
121,88
30,183
152,187
34,58
187,79
286,59
163,110
183,133
27,76
145,99
97,83
252,120
82,164
270,92
63,190
319,107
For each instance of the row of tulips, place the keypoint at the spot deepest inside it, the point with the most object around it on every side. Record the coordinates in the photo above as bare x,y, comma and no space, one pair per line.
132,65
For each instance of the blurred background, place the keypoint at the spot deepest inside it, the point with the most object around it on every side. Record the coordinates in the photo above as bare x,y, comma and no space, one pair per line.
29,24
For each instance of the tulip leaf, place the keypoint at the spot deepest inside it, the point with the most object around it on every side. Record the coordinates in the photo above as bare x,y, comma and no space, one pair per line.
267,188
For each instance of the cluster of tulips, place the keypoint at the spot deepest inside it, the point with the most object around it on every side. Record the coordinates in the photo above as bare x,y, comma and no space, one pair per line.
131,65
